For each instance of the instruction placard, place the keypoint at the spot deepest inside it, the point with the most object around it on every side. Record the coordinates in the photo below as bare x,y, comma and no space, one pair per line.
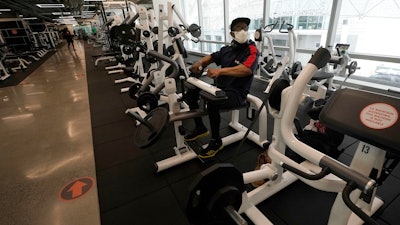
379,116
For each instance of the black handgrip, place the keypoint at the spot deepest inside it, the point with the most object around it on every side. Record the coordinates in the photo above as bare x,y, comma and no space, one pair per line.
137,117
320,58
133,19
289,27
325,171
107,23
362,182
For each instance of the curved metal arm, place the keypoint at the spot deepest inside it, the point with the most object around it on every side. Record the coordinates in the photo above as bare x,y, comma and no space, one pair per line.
132,20
175,67
325,171
319,59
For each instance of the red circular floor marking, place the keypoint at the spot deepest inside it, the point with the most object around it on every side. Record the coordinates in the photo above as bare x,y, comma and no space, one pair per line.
76,188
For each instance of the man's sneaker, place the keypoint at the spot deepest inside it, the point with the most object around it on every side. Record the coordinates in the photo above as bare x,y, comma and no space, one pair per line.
212,149
196,133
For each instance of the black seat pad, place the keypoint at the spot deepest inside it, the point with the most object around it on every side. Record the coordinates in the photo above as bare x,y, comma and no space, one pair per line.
369,117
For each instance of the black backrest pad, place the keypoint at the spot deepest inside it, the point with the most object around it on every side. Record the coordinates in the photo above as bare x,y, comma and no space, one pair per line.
367,116
274,98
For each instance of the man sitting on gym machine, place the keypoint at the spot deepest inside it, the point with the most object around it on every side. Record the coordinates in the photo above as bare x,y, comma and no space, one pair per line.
238,63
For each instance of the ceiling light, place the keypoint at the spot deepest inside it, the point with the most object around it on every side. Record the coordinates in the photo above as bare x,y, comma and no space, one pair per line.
61,13
89,5
50,5
66,17
30,18
5,10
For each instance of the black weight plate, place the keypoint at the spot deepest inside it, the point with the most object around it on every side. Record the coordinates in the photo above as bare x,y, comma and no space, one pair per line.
215,187
134,89
352,67
157,119
194,30
124,34
147,101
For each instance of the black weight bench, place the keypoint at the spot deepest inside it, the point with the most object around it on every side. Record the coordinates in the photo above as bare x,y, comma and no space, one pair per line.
369,117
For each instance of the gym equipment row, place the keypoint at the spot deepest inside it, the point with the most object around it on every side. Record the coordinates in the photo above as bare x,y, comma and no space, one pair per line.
20,46
12,62
288,67
134,38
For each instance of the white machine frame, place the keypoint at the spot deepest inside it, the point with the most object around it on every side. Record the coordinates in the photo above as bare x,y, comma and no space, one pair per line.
183,152
278,179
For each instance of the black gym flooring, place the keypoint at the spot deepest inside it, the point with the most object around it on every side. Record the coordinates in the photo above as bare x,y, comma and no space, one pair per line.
130,192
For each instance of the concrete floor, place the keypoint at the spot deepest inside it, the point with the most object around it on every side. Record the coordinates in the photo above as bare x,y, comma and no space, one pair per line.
47,171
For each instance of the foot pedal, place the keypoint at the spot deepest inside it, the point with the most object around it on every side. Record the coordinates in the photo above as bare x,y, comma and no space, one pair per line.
198,147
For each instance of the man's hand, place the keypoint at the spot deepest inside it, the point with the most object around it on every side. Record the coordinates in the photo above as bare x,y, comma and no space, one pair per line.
213,72
196,67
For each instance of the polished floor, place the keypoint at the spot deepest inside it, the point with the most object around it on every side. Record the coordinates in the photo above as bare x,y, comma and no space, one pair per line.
67,156
46,154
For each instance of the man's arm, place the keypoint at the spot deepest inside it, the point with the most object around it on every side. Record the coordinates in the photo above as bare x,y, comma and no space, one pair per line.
235,71
203,63
241,70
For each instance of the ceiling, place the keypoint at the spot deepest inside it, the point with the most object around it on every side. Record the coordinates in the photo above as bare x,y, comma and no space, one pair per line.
28,8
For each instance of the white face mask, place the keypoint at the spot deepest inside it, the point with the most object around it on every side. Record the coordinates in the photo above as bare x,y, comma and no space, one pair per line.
240,36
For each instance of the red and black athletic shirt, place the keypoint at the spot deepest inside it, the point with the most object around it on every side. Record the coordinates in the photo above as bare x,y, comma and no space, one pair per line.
233,55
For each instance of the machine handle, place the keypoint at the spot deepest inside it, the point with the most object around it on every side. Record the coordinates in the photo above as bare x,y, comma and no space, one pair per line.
353,207
157,55
175,67
289,27
271,27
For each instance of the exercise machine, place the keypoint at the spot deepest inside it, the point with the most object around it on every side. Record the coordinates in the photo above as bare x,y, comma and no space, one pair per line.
179,111
146,43
266,64
176,51
226,198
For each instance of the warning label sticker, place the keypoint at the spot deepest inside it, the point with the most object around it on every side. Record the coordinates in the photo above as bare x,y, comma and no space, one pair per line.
379,116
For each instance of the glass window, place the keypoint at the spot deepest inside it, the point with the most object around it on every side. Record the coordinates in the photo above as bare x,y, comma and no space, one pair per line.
383,73
310,20
213,17
190,11
363,26
208,47
219,38
370,31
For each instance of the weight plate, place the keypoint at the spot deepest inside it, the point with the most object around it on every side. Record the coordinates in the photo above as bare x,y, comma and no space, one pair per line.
134,89
215,188
148,132
147,101
194,30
